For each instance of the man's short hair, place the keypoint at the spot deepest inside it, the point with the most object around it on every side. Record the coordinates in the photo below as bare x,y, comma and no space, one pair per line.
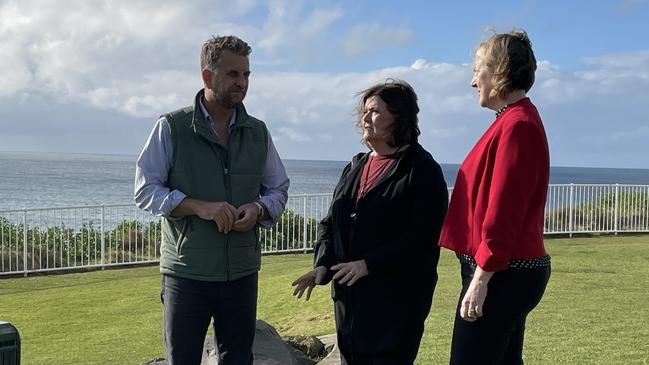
510,59
401,101
211,50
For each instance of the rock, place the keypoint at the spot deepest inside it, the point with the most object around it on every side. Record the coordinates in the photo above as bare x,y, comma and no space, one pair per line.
333,357
330,348
311,346
301,358
268,349
156,361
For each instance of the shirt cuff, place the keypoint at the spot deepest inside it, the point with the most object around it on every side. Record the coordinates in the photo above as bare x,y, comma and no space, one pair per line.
273,212
171,202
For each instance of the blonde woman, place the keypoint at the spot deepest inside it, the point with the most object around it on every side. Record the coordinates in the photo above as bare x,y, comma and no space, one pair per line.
495,219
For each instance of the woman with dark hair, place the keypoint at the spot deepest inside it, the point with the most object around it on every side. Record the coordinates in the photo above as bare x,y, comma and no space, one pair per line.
495,219
377,242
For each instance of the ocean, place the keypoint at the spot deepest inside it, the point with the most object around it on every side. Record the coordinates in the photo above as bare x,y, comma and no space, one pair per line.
47,180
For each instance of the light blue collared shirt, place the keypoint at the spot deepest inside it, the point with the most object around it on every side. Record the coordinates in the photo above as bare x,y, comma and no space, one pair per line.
154,163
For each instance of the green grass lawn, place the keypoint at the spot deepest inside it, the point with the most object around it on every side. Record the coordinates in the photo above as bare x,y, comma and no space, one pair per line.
595,310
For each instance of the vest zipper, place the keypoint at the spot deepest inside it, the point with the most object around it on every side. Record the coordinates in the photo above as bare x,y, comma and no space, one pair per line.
228,193
228,196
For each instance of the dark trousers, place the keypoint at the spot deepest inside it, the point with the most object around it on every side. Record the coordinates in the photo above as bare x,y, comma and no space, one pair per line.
190,305
380,358
405,356
404,353
496,338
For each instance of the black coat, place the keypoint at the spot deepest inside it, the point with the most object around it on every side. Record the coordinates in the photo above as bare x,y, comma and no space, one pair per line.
395,228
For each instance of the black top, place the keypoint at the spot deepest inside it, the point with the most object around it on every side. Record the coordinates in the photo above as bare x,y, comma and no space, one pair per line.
395,228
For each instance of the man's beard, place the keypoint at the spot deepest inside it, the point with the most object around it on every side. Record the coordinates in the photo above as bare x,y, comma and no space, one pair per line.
228,101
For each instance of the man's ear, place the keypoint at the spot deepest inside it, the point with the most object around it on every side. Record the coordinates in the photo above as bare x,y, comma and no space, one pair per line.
207,75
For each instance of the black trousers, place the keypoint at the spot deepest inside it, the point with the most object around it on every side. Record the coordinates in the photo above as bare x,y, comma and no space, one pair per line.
393,357
401,356
411,316
496,338
190,305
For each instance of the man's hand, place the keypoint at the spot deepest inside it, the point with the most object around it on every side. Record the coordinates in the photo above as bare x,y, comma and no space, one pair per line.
247,216
350,272
308,281
222,213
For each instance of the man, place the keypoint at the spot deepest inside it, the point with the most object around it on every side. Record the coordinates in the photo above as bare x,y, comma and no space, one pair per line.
212,172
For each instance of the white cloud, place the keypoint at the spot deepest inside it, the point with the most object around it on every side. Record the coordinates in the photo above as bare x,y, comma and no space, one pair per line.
148,105
606,80
366,38
290,26
293,135
418,64
311,115
579,111
16,75
318,21
104,71
89,50
146,96
620,60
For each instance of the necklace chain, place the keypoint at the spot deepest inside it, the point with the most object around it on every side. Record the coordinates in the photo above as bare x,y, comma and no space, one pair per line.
501,110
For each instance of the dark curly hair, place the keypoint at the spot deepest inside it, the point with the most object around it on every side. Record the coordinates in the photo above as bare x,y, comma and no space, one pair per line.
401,101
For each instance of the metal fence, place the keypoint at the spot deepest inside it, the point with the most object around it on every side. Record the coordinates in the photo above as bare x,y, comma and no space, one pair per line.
49,239
596,208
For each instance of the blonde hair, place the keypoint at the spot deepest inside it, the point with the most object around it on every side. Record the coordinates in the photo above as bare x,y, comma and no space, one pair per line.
510,59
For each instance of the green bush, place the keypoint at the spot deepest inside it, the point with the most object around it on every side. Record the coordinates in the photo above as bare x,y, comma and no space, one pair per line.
128,241
289,233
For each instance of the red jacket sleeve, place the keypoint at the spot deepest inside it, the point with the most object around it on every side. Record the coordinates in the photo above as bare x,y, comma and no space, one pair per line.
515,173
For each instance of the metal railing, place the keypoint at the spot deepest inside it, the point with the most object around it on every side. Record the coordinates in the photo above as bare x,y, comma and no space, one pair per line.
50,239
67,238
596,208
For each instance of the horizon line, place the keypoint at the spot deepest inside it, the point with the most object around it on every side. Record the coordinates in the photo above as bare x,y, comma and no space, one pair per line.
296,159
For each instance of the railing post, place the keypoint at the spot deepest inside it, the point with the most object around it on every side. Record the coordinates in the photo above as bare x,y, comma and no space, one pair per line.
305,226
103,239
616,208
570,208
26,270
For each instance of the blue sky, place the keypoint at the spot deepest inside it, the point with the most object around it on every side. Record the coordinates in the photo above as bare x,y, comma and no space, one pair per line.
92,76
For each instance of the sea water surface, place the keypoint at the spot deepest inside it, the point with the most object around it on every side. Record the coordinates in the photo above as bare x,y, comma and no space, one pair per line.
44,180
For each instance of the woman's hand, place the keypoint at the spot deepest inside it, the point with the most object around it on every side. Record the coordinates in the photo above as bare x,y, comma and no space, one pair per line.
350,272
473,301
308,281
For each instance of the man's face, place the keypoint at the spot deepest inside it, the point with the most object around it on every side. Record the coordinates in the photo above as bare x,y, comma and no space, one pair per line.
230,81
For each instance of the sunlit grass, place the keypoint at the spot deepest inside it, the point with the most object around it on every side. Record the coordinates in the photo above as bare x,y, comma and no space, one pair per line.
595,309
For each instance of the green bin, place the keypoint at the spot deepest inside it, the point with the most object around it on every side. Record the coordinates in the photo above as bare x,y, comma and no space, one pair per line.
9,344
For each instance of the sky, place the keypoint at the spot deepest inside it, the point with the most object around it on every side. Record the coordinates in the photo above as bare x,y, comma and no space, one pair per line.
90,76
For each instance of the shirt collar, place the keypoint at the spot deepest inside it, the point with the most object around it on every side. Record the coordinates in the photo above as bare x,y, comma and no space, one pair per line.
208,118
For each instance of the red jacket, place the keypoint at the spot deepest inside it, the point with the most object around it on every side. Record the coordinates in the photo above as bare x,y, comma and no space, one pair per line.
497,207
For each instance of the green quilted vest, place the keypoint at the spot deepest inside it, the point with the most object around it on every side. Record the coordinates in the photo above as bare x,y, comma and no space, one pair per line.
204,169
